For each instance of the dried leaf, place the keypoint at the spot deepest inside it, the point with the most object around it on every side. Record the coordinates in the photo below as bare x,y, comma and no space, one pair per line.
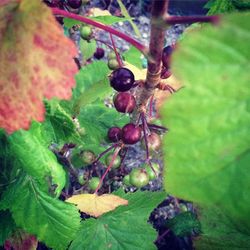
36,62
95,205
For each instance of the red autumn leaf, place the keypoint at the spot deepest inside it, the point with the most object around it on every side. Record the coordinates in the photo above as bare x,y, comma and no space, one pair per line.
36,62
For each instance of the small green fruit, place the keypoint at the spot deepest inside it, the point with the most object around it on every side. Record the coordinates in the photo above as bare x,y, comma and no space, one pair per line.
116,163
93,183
139,177
111,55
81,178
87,157
126,180
113,64
150,172
85,32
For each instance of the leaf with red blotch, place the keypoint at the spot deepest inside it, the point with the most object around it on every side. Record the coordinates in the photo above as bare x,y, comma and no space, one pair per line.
36,62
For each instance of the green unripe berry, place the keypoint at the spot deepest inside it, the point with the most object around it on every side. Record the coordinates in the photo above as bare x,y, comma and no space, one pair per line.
85,32
111,55
139,177
126,180
113,64
150,172
116,163
81,178
87,157
183,207
93,183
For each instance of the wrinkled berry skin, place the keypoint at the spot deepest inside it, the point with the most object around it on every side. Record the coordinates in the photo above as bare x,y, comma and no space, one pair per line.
114,134
122,79
99,54
75,4
124,102
131,134
166,56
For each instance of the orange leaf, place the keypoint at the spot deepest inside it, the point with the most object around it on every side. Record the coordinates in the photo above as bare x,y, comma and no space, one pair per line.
36,62
95,205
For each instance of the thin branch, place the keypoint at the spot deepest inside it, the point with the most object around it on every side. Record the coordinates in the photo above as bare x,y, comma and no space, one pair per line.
192,19
99,25
157,37
109,167
104,152
115,50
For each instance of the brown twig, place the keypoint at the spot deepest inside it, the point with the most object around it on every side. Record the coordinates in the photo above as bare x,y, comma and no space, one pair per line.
159,9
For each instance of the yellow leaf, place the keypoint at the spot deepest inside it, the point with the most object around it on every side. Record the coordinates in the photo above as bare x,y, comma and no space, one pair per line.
99,12
95,205
140,74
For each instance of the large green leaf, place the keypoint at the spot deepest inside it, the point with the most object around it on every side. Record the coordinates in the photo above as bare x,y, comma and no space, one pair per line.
7,226
207,151
95,120
51,220
37,160
88,82
125,228
219,232
59,126
87,48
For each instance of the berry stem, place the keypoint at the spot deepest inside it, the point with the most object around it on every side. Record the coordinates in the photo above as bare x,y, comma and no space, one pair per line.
151,106
191,19
160,237
163,86
115,50
109,167
144,126
105,43
104,152
123,156
157,127
99,25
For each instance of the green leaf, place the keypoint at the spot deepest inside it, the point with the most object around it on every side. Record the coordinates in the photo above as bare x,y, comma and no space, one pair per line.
7,226
109,20
207,150
36,159
95,120
88,82
219,232
68,22
59,126
183,224
133,56
220,6
87,48
114,230
126,14
54,222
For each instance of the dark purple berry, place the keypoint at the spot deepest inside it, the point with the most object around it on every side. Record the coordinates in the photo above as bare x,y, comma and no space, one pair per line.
114,134
75,4
122,79
124,102
99,53
166,56
131,134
